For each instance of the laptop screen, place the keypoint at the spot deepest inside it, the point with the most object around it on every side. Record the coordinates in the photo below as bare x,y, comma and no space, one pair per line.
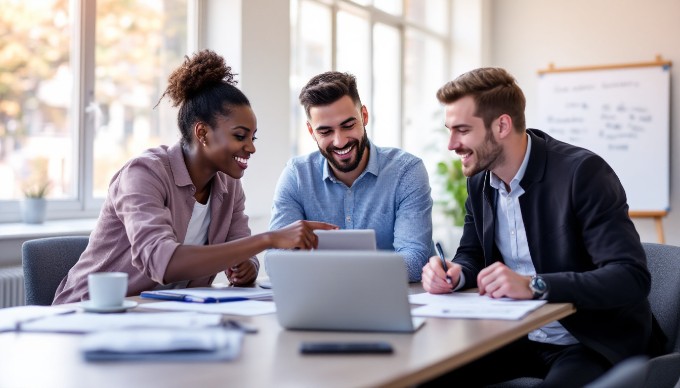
341,290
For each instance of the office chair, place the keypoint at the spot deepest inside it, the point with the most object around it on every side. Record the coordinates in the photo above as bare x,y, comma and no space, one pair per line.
663,262
46,261
629,373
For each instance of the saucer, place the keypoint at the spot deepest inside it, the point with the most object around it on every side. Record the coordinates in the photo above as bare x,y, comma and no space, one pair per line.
88,307
265,284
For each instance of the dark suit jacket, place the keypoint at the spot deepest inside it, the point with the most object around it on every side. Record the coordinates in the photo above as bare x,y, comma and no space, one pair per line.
581,240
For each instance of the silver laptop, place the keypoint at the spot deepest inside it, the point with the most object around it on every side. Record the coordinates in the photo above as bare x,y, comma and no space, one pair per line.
341,290
351,239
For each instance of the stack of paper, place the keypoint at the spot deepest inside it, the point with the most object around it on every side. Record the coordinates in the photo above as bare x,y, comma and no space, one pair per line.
14,318
471,305
244,308
163,345
86,322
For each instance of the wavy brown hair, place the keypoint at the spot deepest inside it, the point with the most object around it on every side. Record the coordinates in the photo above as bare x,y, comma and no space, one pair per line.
494,91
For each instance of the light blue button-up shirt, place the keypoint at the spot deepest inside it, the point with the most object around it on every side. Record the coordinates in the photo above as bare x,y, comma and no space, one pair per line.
392,196
511,240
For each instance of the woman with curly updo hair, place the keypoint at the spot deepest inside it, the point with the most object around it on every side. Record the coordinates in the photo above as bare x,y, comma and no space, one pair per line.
174,216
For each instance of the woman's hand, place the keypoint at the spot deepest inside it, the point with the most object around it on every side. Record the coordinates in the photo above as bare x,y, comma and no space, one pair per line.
242,274
299,235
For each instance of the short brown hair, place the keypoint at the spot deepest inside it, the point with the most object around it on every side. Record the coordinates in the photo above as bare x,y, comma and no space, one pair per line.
494,91
328,87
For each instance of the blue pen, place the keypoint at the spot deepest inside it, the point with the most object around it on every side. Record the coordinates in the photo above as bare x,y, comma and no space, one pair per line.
440,251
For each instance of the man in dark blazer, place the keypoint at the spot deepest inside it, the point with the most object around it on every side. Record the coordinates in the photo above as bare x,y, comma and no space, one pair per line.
545,220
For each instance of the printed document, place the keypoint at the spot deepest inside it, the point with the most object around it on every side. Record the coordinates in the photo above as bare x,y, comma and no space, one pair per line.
471,305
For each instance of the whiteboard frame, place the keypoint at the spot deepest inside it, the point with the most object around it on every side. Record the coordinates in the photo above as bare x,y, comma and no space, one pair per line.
658,62
552,69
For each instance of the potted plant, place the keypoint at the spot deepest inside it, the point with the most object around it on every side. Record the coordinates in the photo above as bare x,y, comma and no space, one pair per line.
455,186
452,197
34,204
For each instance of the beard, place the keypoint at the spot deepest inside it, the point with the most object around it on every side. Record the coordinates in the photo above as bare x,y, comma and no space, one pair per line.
350,164
488,155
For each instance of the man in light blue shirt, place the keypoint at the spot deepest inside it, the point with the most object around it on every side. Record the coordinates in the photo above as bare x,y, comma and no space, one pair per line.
351,182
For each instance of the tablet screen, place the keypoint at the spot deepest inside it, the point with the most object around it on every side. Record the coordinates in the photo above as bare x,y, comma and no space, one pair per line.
349,239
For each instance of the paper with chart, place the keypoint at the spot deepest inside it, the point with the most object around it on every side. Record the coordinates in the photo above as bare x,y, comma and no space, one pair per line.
471,305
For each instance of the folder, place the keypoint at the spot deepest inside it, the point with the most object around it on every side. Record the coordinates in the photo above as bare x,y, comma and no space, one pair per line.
208,294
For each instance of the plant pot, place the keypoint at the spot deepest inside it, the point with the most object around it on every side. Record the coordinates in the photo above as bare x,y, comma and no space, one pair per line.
33,210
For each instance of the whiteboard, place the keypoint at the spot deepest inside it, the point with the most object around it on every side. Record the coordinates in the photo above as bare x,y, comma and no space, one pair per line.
621,114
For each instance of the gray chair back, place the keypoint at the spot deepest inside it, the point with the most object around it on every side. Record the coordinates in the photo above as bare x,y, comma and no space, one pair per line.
664,298
46,261
629,373
664,265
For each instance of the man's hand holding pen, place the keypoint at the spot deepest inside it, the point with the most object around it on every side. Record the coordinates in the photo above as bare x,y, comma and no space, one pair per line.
440,276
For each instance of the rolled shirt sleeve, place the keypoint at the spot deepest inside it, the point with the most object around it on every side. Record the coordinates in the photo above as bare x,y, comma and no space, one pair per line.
139,203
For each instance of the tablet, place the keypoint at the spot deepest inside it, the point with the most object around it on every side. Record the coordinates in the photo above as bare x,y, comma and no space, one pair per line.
347,239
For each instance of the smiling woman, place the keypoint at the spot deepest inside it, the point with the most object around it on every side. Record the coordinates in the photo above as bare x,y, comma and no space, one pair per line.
174,216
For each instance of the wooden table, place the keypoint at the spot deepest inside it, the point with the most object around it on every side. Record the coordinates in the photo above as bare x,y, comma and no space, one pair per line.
271,358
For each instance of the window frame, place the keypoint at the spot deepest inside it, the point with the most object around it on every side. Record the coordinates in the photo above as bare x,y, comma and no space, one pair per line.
82,60
374,16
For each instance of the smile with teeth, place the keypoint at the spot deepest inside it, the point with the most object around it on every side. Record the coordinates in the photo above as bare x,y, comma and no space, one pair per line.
465,156
243,161
343,152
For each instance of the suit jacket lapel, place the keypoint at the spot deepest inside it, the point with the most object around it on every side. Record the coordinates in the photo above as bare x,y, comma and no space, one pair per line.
534,174
489,216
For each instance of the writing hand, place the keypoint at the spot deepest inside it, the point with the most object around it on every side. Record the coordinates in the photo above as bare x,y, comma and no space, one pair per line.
497,281
434,277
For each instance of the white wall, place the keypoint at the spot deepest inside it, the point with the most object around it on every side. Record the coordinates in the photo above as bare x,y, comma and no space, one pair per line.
527,35
520,35
254,38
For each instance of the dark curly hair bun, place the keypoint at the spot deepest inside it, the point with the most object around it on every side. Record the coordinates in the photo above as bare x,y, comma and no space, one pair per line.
202,71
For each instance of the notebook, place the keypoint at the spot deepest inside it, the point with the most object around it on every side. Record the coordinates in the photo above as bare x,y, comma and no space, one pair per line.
341,239
341,290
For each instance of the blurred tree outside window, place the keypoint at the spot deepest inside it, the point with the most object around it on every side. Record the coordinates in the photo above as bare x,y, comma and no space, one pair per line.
58,125
35,97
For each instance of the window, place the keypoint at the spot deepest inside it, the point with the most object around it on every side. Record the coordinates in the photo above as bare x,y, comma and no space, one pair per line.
78,84
399,51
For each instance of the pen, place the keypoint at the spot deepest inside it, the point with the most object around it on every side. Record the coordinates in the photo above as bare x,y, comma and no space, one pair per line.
195,299
244,327
18,326
440,251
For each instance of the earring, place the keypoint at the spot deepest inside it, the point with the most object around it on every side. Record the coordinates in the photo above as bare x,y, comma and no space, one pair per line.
203,141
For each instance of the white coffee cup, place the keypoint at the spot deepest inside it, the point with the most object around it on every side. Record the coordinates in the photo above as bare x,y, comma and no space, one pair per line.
107,289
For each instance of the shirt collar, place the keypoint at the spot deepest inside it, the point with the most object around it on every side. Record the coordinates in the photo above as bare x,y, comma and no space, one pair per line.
179,169
496,182
373,165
